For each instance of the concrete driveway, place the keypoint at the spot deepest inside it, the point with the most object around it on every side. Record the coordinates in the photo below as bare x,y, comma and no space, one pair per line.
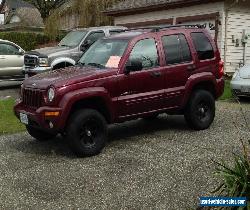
146,165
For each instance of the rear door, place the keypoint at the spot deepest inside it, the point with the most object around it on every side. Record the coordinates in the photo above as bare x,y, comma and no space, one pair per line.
142,91
11,61
179,65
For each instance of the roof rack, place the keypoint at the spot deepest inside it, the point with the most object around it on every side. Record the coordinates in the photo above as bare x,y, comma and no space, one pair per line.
159,28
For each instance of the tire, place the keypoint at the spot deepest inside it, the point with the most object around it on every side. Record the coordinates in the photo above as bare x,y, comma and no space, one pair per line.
86,132
39,134
200,110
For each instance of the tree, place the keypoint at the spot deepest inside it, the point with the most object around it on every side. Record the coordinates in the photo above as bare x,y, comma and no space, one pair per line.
45,7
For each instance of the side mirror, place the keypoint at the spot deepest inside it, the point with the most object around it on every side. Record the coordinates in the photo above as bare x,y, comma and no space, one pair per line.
133,65
20,52
86,44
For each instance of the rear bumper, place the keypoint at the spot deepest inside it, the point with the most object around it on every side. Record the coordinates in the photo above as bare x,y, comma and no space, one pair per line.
37,118
220,85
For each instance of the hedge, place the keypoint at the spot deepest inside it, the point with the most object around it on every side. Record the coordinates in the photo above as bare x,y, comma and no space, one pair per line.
27,40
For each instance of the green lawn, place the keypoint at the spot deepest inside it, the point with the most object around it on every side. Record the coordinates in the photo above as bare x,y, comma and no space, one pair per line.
8,122
227,91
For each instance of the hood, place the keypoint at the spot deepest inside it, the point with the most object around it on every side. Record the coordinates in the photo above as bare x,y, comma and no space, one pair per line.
63,77
245,72
47,51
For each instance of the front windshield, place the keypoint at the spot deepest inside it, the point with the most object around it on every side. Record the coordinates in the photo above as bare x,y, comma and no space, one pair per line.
105,53
73,38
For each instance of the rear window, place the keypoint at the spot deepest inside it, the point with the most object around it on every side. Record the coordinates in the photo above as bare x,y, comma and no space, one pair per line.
203,46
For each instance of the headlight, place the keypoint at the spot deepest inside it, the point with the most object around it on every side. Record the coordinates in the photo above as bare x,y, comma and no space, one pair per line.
43,62
51,94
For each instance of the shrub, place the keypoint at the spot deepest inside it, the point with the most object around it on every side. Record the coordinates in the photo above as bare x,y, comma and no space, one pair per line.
28,40
236,179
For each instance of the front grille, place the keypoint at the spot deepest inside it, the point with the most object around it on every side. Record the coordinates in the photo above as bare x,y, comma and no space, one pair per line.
32,98
30,61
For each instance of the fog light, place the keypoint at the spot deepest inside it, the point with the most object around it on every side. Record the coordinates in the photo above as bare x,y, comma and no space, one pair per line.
51,125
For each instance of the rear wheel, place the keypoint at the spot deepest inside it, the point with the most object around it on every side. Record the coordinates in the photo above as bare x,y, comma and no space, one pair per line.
39,134
200,111
87,132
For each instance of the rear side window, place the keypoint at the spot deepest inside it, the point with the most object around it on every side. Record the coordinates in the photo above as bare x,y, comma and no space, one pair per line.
203,46
176,49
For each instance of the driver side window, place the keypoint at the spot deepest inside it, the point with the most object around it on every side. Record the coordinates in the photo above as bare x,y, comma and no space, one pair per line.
7,49
146,52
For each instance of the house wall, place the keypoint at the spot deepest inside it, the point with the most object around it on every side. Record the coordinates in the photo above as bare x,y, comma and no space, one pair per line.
181,14
237,19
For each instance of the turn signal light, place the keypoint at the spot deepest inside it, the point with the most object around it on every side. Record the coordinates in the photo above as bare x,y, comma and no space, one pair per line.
51,114
221,69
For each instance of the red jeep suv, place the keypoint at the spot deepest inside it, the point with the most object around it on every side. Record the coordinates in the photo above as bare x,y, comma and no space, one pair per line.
136,74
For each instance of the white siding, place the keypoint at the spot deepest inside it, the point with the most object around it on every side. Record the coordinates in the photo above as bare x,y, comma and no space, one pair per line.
238,19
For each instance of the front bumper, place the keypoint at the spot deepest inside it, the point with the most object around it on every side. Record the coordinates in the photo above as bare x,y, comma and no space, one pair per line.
241,87
37,118
28,72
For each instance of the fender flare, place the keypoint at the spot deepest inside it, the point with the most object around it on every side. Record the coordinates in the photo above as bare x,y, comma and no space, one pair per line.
195,80
62,60
69,99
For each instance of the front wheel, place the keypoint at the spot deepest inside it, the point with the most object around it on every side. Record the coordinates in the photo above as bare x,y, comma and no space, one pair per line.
39,134
200,111
87,132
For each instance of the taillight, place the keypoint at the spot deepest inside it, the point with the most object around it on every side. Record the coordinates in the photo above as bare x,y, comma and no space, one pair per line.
221,69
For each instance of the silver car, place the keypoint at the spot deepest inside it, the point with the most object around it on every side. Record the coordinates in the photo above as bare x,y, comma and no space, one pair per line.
11,61
240,83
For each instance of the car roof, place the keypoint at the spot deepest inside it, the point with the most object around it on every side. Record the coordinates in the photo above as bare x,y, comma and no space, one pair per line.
2,40
99,28
131,33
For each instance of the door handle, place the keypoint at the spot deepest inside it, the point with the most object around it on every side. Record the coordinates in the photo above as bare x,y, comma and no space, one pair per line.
191,67
156,74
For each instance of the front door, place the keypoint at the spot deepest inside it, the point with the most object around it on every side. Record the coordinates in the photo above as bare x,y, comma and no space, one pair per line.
142,90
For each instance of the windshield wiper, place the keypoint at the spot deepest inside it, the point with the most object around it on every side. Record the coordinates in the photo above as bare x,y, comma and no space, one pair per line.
96,65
